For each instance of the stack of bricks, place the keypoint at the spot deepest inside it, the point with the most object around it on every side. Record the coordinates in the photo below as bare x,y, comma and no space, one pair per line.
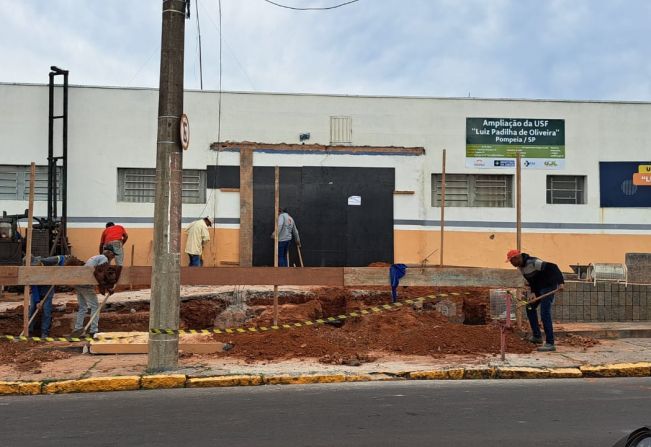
585,302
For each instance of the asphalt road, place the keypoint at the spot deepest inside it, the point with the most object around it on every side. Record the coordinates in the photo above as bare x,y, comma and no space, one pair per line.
484,413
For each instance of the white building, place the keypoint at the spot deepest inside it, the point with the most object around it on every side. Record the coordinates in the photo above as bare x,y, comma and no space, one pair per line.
112,146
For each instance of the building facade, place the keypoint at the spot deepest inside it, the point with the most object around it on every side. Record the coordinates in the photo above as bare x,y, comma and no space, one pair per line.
583,194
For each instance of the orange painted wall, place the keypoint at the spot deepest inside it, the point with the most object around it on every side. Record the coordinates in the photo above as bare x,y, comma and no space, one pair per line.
223,245
484,249
480,249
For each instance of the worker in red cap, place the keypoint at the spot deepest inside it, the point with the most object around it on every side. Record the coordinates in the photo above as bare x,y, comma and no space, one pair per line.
542,277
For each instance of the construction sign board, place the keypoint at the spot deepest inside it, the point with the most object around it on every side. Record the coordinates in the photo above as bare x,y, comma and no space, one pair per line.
495,143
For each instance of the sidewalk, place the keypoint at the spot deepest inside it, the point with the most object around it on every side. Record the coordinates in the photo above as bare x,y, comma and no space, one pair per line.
81,366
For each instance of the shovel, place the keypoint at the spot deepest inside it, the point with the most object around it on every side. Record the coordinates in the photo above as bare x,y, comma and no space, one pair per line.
39,306
300,256
538,298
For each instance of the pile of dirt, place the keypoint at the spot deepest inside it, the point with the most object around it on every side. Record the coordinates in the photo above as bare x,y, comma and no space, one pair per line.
29,356
578,341
404,331
118,317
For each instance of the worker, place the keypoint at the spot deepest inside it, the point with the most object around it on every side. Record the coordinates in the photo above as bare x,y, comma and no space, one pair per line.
41,296
114,236
86,297
198,236
287,232
542,278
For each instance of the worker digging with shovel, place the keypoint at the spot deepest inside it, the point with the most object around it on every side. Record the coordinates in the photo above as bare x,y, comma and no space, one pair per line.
106,276
544,279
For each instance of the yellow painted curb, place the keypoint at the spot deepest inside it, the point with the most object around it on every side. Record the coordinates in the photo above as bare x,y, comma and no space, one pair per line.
220,381
162,381
521,372
94,384
22,388
304,379
565,373
479,373
438,374
641,369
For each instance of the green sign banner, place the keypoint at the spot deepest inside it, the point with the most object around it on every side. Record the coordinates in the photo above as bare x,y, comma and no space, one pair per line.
505,137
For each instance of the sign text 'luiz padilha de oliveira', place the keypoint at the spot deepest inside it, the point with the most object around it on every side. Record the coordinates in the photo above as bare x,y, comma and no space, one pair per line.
495,142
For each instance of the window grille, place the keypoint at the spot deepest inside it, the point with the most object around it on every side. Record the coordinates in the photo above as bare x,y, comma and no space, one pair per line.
14,182
474,190
341,130
566,189
139,185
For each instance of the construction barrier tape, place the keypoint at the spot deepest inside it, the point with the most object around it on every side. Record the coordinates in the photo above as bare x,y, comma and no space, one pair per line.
245,330
61,339
301,324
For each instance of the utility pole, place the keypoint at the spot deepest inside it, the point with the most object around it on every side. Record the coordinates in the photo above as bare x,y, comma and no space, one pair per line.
166,271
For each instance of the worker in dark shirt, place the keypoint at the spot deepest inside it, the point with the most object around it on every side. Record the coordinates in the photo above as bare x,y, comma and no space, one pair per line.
542,277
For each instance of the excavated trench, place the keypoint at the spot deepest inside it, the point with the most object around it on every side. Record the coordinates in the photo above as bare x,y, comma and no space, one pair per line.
410,330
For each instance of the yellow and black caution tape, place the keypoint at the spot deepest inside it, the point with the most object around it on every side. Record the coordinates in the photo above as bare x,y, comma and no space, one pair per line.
45,339
373,310
302,324
60,339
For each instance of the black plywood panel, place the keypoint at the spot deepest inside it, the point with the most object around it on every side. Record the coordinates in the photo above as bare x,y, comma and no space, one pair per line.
223,177
332,232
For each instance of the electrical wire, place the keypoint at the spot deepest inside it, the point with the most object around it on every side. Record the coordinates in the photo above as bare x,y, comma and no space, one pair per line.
219,117
196,8
206,11
312,9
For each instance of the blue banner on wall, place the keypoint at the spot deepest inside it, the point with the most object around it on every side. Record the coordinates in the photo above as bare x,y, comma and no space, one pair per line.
616,185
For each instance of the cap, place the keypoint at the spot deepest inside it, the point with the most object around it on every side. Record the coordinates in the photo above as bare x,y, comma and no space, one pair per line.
208,221
512,254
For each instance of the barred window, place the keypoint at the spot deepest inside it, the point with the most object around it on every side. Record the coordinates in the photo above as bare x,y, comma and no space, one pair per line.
139,185
566,189
341,130
14,182
474,190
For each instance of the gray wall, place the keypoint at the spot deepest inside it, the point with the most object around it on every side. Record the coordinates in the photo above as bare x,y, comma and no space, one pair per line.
583,302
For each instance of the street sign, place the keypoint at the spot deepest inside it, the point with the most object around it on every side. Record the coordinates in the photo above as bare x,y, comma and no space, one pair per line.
185,132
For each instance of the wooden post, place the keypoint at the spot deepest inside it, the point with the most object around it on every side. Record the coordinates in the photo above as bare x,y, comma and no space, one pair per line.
442,207
28,254
133,255
246,207
276,206
518,199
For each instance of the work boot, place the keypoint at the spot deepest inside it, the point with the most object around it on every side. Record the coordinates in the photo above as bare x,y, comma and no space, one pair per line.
536,340
547,348
77,333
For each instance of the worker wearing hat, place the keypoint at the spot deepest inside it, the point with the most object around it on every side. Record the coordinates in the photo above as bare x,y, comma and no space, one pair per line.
86,296
543,277
198,236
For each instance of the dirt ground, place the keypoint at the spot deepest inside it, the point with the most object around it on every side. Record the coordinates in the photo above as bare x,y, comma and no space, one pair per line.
411,330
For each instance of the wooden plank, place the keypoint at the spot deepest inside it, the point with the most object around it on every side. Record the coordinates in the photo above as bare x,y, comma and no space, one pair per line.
404,193
207,276
439,277
302,148
258,276
246,207
9,275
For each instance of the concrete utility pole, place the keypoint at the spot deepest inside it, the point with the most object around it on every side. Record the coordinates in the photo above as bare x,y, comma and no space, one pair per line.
166,271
